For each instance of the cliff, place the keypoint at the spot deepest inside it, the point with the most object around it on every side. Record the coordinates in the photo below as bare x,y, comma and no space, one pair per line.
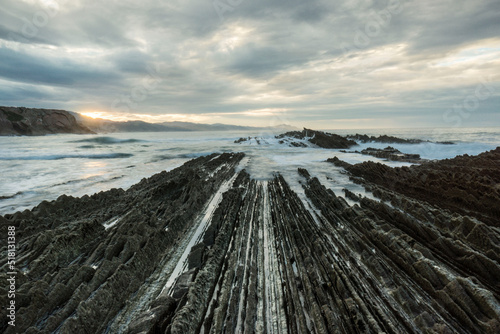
35,122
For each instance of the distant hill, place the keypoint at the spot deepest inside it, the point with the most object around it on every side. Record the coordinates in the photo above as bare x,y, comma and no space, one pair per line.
106,126
36,122
224,127
100,125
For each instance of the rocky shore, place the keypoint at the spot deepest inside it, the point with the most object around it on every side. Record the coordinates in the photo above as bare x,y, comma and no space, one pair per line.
319,138
314,138
207,249
389,153
390,139
304,138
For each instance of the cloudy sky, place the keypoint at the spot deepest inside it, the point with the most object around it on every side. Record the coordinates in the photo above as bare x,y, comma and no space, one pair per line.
317,63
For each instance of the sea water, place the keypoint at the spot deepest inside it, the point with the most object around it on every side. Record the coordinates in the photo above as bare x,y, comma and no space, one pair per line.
34,169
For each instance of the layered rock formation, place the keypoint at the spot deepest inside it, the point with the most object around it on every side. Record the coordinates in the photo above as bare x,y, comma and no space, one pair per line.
33,122
390,139
206,249
389,153
323,139
469,185
304,138
319,138
383,139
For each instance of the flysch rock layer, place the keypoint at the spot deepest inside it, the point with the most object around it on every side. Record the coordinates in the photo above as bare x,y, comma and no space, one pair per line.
206,249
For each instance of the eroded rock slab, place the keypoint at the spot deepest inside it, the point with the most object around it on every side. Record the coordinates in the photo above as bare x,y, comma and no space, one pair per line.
390,140
304,138
468,185
319,138
83,259
390,153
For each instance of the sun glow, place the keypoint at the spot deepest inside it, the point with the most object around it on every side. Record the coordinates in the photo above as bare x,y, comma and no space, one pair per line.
160,118
97,114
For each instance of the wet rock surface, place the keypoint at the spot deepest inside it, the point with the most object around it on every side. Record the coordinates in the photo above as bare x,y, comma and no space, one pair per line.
468,185
303,138
81,260
319,138
207,249
323,139
389,153
389,139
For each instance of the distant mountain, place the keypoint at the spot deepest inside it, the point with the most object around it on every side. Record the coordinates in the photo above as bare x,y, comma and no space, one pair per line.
105,126
33,122
100,125
36,122
223,127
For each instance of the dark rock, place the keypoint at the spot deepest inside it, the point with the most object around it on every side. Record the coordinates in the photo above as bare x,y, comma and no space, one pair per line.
79,275
464,184
183,283
319,138
34,122
304,173
195,257
390,153
383,139
240,140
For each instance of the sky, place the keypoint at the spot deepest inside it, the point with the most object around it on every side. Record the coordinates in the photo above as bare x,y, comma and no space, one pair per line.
318,63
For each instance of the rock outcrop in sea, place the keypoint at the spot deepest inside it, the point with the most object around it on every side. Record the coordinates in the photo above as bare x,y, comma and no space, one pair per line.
383,139
205,248
390,139
304,138
319,138
389,153
35,122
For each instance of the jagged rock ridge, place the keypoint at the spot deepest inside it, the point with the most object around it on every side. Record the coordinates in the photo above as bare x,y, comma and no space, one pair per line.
390,139
466,184
305,138
320,138
308,137
203,249
389,153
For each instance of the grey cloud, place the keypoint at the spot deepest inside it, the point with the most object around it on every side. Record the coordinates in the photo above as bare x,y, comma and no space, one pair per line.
293,49
131,61
254,61
91,24
22,67
7,34
17,95
454,25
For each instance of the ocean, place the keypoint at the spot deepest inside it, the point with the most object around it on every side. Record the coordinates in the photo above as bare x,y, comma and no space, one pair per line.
34,169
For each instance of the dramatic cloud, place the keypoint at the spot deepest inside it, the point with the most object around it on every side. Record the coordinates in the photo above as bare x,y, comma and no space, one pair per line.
324,64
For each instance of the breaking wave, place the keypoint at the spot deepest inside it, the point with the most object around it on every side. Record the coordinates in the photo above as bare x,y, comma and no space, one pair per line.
108,140
72,156
179,156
